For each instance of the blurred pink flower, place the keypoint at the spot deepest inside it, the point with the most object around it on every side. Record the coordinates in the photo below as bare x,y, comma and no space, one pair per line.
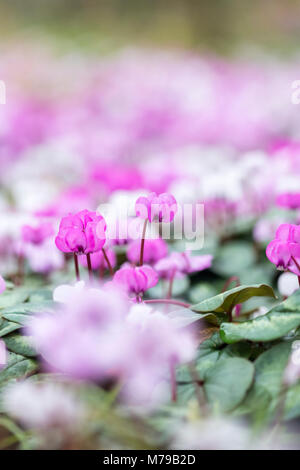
36,235
284,250
154,250
292,371
289,200
43,258
85,338
98,260
158,344
177,264
81,233
44,406
94,336
3,354
2,285
136,279
161,207
113,177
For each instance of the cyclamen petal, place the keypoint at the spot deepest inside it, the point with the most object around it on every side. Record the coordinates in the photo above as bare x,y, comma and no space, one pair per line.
3,354
284,250
2,285
289,200
153,207
136,279
154,250
81,233
182,263
98,261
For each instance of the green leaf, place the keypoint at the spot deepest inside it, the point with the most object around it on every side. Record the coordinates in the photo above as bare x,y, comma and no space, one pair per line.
17,367
283,318
225,301
7,327
21,313
20,344
202,291
292,403
226,384
234,258
269,368
13,297
180,286
214,349
262,399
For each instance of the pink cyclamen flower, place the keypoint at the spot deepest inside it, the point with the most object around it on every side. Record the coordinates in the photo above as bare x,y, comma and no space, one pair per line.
178,264
136,279
153,207
289,200
37,235
3,354
154,250
82,233
98,260
2,285
284,250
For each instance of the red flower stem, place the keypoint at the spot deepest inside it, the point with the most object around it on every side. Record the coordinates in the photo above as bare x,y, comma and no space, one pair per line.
111,271
173,382
200,395
298,267
101,271
229,281
89,263
169,294
167,301
143,243
76,267
20,273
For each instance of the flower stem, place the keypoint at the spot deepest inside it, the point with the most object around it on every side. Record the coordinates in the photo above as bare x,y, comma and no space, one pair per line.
229,281
169,294
167,301
143,243
111,271
173,382
20,272
76,267
89,263
198,388
230,318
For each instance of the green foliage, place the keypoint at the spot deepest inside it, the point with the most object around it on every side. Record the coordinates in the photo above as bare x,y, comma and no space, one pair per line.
224,302
274,325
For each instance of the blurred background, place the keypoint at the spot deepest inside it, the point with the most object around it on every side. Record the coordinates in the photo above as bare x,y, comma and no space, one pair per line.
220,25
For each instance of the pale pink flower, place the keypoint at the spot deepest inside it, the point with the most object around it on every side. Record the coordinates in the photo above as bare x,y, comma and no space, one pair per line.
3,354
43,406
162,207
136,279
154,250
178,264
98,260
37,235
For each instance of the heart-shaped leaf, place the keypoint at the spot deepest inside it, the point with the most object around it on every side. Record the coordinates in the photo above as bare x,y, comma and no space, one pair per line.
20,344
224,302
13,297
7,327
17,367
226,384
233,258
273,325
